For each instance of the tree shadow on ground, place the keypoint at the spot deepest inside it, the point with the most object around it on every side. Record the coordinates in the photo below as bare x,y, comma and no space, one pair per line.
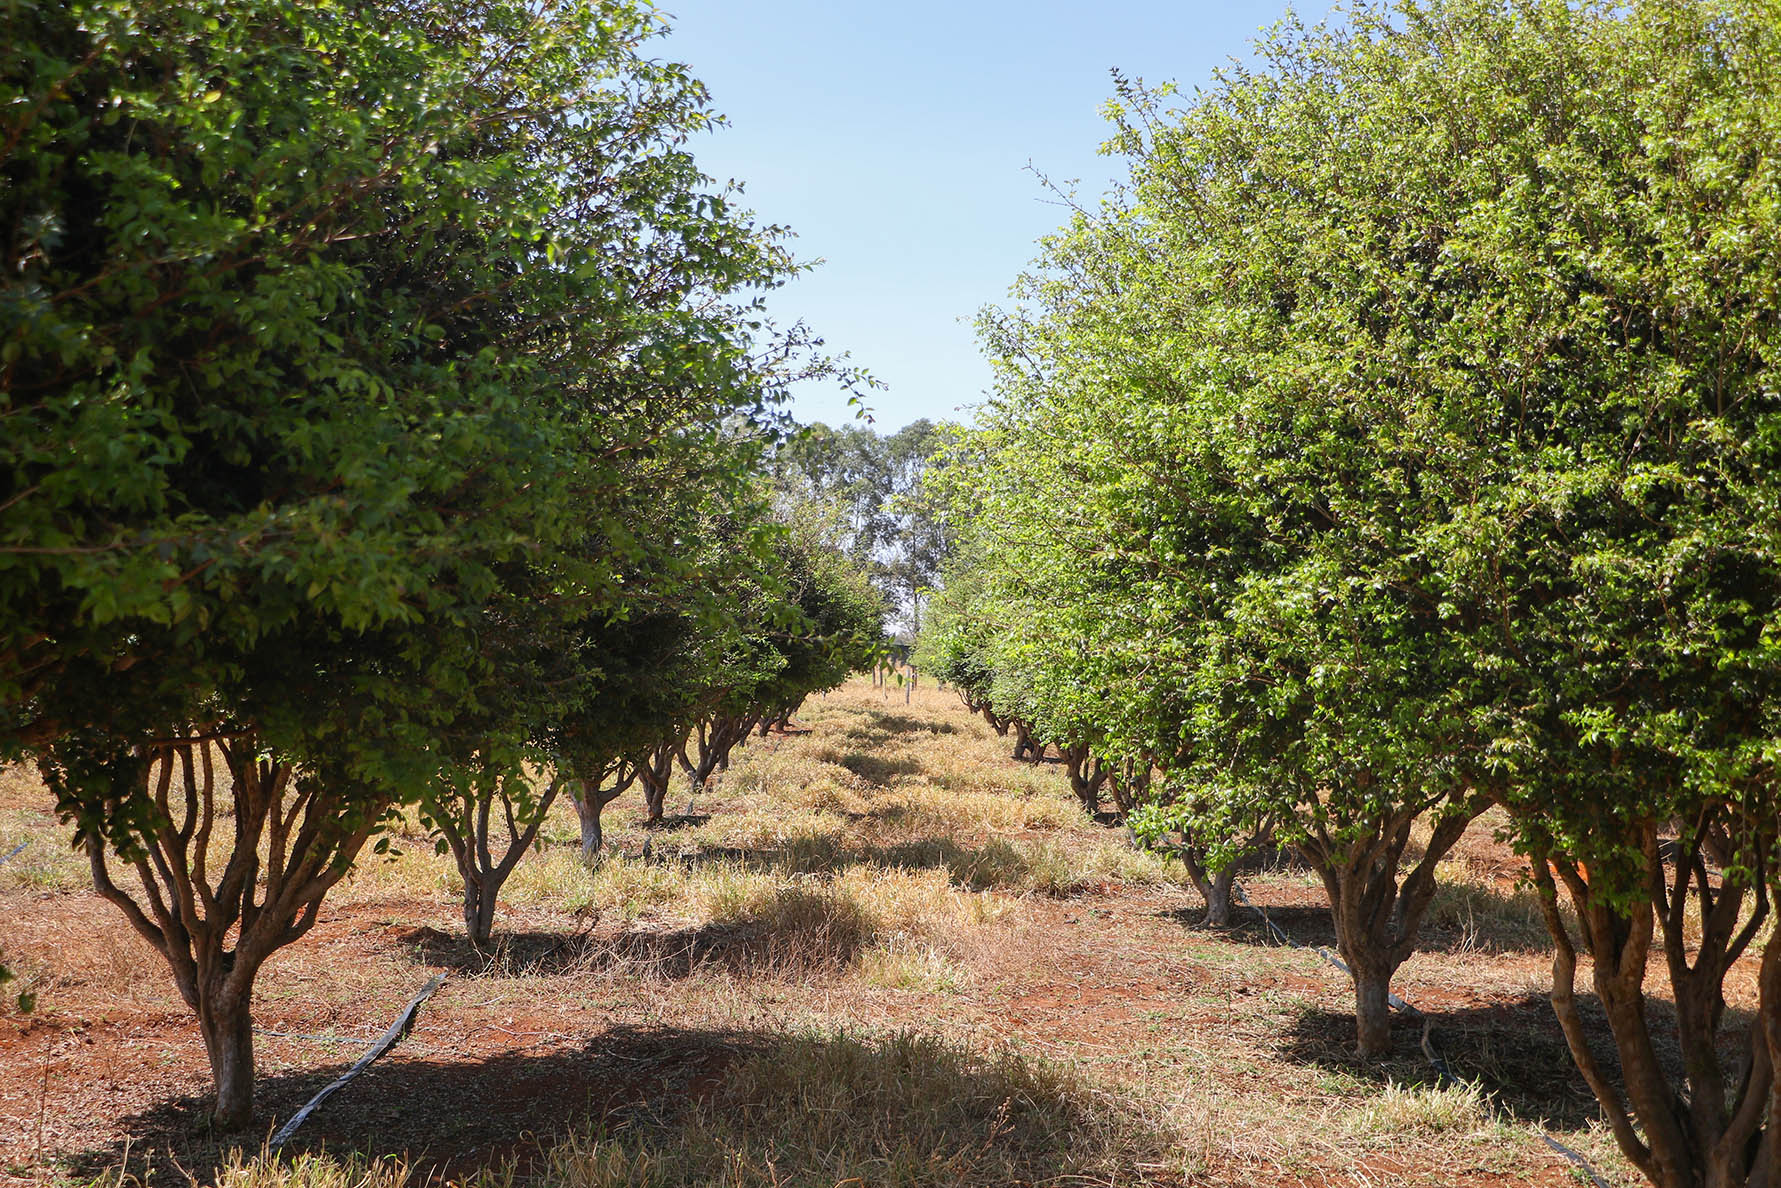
800,930
1468,919
675,822
1513,1049
995,864
701,1105
452,1118
1309,926
878,769
880,723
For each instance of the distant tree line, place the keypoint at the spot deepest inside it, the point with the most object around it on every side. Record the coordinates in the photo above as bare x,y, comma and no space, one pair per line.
876,490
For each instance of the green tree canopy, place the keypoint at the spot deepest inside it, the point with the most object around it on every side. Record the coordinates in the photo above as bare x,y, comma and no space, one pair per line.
319,328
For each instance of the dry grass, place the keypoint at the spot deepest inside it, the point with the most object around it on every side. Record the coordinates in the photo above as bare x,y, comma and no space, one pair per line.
905,1109
1399,1110
933,967
1488,917
307,1170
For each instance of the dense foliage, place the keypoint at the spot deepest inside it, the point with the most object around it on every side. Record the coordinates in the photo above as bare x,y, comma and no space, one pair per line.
1402,438
357,366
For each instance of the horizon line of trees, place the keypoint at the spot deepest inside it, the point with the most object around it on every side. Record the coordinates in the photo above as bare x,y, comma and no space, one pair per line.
881,504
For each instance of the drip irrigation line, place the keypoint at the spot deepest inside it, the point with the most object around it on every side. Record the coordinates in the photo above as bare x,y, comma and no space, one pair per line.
1444,1076
400,1028
14,852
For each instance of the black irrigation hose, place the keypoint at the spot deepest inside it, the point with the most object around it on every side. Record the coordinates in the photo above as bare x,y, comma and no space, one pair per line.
1444,1076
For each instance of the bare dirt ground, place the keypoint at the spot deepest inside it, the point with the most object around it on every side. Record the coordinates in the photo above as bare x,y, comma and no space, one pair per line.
890,873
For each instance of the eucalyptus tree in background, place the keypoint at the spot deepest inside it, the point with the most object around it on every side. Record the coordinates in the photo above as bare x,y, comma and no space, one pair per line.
880,487
315,325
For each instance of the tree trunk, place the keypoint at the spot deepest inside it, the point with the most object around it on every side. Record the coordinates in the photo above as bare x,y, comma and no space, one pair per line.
479,909
228,1027
587,812
1377,917
1215,887
590,798
290,846
1686,1134
1218,898
655,794
1372,1008
655,771
1082,778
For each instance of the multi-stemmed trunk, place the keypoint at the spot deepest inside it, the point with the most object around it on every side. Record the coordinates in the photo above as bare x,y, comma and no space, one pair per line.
1129,783
1025,747
463,818
655,770
590,798
1215,883
1088,774
1377,917
779,720
1696,1134
708,748
291,840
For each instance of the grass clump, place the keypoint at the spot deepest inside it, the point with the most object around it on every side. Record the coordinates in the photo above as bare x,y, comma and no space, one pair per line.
1422,1109
632,887
906,1110
48,862
806,924
902,964
1488,919
310,1170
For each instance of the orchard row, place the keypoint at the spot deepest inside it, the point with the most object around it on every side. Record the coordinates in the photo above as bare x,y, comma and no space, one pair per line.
1403,438
389,420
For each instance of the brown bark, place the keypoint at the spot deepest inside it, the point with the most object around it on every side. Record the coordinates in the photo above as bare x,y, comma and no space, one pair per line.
1024,746
228,1030
590,798
1372,1005
1087,775
216,930
1215,886
1689,1135
463,818
709,745
655,770
1377,918
1129,783
1217,894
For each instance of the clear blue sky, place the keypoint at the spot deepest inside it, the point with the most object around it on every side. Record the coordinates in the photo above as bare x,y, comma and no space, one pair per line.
894,139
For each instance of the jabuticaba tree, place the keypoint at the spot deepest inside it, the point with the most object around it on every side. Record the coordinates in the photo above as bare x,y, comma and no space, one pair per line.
1422,381
1566,311
567,687
1617,552
314,323
777,612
